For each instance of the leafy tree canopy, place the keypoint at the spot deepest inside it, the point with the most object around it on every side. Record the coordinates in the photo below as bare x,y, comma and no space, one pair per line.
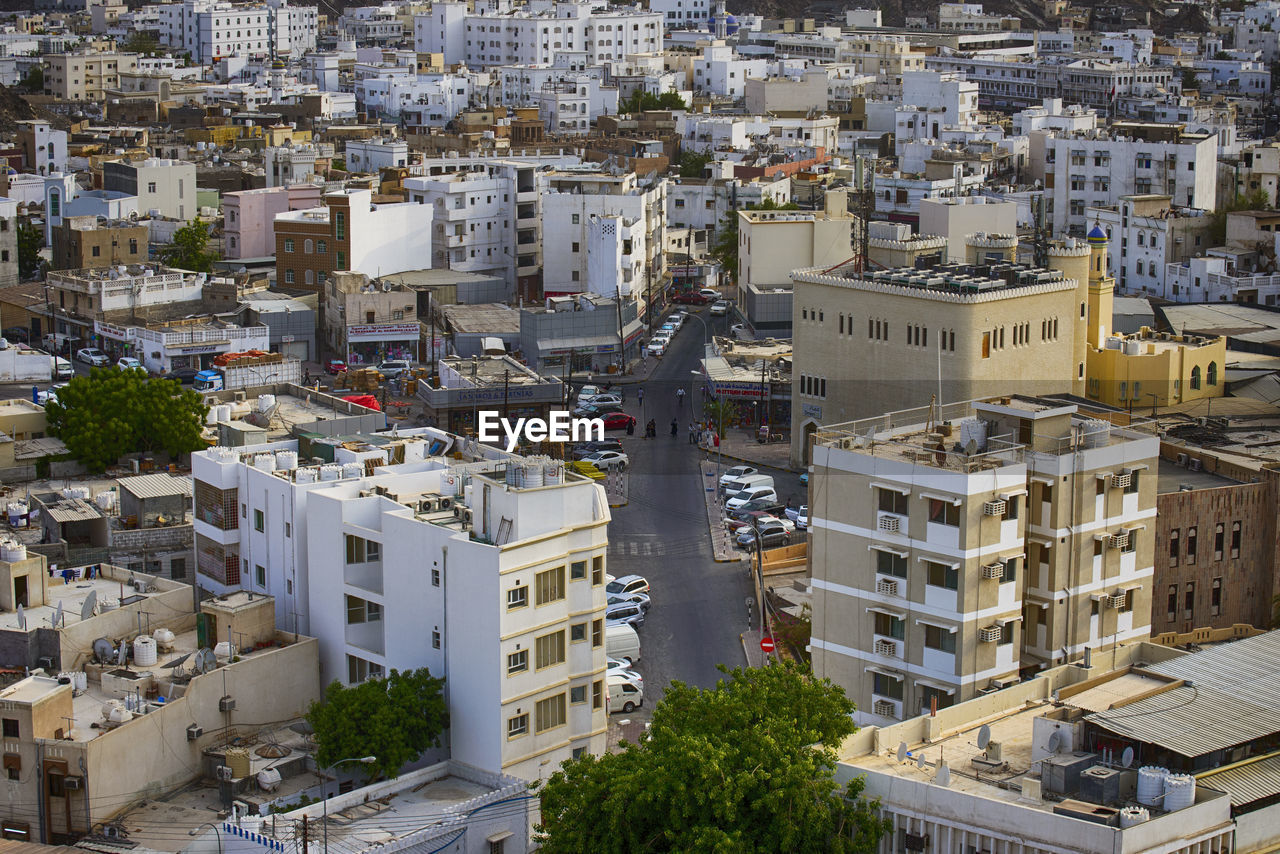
110,412
724,247
190,248
143,43
393,719
692,163
30,242
1255,201
742,767
641,101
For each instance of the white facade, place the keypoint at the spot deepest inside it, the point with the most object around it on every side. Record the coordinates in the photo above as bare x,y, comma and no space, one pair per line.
163,187
683,14
1094,169
1200,280
209,29
508,607
387,94
474,220
720,71
373,155
49,147
932,102
287,165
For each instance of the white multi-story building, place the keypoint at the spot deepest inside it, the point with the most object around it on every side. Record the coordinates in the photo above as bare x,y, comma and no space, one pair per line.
285,166
166,187
720,71
1147,235
683,14
209,29
592,221
387,94
373,155
702,203
1211,279
1097,167
944,564
453,565
933,102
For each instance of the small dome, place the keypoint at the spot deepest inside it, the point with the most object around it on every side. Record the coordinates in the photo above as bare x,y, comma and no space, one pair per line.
1097,235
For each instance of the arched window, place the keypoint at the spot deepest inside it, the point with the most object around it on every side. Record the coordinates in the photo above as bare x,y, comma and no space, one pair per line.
1213,373
310,276
307,245
1142,238
1138,267
1195,377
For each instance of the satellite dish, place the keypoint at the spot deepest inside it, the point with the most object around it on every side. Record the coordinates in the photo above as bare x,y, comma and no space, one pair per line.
123,655
984,737
89,606
178,662
1126,758
943,777
920,762
971,448
57,616
205,661
1055,741
902,750
22,619
103,650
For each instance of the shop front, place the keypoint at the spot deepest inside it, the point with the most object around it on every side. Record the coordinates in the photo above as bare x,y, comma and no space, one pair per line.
168,348
373,343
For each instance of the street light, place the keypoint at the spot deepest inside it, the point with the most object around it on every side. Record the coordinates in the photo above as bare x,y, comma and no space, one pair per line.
216,832
366,760
719,438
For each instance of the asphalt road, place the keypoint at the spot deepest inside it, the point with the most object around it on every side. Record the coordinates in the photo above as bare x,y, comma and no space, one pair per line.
699,606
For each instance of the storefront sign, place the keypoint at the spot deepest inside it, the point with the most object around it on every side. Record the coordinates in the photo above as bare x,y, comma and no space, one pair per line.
188,349
109,330
811,410
384,331
738,389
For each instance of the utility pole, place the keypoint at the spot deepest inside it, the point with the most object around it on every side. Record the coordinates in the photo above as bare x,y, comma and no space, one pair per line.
506,390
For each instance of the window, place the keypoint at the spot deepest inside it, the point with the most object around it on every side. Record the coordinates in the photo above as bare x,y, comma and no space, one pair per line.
95,251
288,244
893,502
1173,602
549,650
550,585
322,246
517,726
890,626
435,638
597,694
575,219
1010,570
151,186
936,637
1189,601
259,521
577,632
550,713
1132,487
597,633
178,567
435,576
578,694
1174,547
1006,633
289,277
942,575
886,686
1218,537
931,696
1235,540
1195,377
339,225
1215,597
597,571
578,570
575,247
11,728
260,575
943,512
517,597
518,661
889,563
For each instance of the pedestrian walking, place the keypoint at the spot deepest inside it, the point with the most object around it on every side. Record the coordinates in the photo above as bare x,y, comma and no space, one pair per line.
640,395
679,397
693,434
675,428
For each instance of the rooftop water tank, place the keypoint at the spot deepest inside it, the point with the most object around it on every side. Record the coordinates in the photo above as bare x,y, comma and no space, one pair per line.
144,651
12,551
1129,816
286,460
1151,785
164,640
1179,791
265,462
330,472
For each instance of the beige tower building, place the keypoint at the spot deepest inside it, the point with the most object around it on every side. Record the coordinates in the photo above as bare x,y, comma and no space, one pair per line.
956,549
871,343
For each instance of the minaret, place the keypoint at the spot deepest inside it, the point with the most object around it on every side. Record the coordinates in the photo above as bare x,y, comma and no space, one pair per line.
1101,288
721,20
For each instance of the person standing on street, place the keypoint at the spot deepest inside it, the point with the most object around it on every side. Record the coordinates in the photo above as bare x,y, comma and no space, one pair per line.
675,428
679,397
640,395
693,434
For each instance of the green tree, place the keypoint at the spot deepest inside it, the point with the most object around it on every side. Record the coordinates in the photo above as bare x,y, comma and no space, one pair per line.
1255,201
109,413
1189,79
720,414
692,163
724,247
189,249
30,242
34,81
394,719
745,766
641,101
143,43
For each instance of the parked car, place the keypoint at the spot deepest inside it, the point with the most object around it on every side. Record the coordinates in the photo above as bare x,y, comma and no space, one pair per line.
602,399
589,391
17,333
615,661
625,612
62,369
737,519
770,536
766,521
641,599
691,298
799,515
618,421
51,393
762,505
92,356
737,500
586,449
186,376
804,478
624,695
709,293
609,460
333,367
128,363
627,584
735,473
740,331
658,346
393,368
679,318
591,410
720,308
624,671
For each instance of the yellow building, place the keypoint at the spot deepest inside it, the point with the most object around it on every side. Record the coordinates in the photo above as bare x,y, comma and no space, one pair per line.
1146,368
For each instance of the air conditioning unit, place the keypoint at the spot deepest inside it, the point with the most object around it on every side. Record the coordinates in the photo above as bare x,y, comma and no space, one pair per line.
886,647
989,634
995,750
194,732
445,502
886,587
995,507
1195,464
227,704
1119,541
466,515
1120,480
72,782
888,522
993,570
884,708
458,510
1117,600
1182,460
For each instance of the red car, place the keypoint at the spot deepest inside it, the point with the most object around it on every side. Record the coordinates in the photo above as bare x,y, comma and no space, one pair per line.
690,298
618,421
335,366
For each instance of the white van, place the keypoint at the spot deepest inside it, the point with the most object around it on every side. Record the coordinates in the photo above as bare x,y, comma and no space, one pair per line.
621,641
751,481
736,473
737,499
624,695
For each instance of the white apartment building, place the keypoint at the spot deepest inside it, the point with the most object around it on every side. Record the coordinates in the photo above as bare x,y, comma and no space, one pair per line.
388,92
210,29
931,103
966,542
683,14
720,71
534,36
1146,236
458,565
372,155
592,220
702,203
44,147
1210,279
162,187
1095,168
285,166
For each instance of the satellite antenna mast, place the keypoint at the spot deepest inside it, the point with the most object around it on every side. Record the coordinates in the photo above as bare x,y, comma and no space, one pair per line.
1040,241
